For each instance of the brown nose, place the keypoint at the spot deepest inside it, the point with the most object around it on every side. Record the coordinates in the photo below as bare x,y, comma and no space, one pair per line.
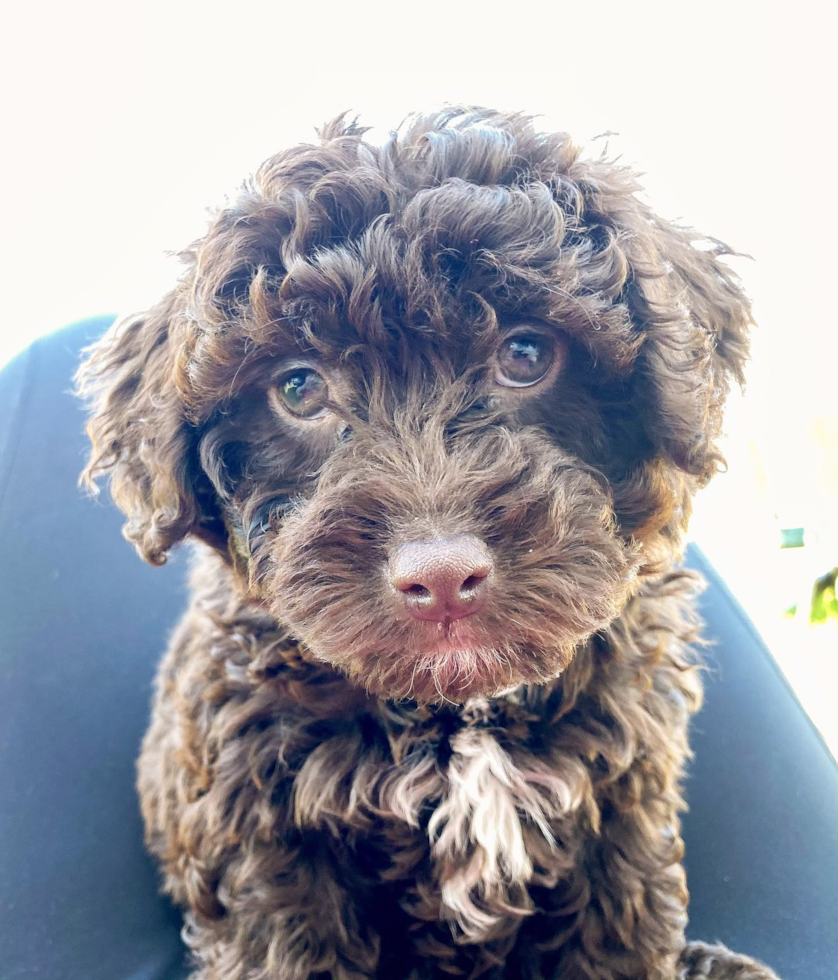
443,579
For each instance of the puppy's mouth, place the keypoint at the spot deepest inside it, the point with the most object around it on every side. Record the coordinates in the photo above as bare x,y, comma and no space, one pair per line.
451,673
449,637
444,662
447,640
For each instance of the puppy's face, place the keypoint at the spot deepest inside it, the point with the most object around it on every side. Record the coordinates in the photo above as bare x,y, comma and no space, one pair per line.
437,403
423,509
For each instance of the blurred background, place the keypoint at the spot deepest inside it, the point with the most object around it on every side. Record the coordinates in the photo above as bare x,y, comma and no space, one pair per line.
123,124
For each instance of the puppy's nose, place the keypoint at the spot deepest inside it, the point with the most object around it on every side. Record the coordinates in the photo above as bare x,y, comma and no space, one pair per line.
443,579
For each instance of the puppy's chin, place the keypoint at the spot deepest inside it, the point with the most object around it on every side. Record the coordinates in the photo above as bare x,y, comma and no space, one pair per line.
453,671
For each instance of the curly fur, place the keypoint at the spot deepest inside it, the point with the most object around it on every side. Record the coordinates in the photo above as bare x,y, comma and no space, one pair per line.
330,791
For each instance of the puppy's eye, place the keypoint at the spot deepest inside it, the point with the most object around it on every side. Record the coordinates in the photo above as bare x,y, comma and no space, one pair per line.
303,392
524,359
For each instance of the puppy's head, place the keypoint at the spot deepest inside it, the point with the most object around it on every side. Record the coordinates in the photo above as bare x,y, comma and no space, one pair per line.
438,402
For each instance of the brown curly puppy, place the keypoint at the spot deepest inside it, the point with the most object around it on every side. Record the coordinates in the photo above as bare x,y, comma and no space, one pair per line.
436,409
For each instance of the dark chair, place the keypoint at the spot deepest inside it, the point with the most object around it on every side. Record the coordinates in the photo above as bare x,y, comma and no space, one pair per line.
84,622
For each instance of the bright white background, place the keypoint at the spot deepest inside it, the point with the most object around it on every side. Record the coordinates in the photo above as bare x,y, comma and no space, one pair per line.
123,122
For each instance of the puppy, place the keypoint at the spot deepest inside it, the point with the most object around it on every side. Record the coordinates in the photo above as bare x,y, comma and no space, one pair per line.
435,411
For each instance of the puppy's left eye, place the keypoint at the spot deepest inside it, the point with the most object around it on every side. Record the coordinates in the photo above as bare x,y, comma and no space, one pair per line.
524,359
303,392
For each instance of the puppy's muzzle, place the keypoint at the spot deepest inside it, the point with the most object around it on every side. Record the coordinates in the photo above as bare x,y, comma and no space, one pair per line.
442,579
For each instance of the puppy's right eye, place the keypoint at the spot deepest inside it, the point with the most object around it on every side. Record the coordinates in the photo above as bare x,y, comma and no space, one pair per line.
303,392
524,359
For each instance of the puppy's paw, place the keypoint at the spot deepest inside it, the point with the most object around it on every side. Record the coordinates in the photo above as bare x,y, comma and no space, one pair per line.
700,961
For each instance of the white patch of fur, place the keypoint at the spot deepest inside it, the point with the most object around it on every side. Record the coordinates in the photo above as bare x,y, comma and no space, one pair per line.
477,832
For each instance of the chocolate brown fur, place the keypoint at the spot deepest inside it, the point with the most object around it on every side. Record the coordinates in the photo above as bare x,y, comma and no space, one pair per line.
328,793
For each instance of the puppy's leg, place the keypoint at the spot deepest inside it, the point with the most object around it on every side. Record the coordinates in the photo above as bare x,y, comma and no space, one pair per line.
699,961
284,916
262,909
631,925
623,918
263,898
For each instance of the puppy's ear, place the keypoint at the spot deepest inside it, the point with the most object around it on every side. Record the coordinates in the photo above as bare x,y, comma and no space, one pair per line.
695,320
141,437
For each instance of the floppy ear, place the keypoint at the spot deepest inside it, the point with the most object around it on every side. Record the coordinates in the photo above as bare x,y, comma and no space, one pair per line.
141,437
695,319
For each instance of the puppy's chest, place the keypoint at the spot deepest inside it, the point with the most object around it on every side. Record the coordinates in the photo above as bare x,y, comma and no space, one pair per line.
462,815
